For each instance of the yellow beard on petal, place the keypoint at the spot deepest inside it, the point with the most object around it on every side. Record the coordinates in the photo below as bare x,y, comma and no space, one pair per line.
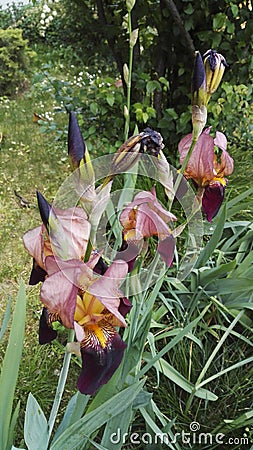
98,331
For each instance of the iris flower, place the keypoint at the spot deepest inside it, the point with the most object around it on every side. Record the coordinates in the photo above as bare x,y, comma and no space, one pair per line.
207,167
74,295
63,232
145,217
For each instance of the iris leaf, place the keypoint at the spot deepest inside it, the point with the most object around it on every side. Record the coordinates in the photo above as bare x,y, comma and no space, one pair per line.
10,367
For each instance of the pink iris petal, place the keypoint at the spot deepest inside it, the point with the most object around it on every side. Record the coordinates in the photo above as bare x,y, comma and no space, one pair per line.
225,166
59,291
70,234
220,140
200,165
99,366
166,248
106,288
212,199
34,244
149,223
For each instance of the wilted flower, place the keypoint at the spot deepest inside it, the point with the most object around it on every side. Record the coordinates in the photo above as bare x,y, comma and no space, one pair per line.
93,306
148,141
208,168
145,217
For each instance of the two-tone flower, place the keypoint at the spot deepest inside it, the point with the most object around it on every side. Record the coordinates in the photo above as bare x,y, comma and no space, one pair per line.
208,166
93,306
145,217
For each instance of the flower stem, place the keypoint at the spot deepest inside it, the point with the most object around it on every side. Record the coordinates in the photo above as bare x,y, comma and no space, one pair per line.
184,165
129,81
60,386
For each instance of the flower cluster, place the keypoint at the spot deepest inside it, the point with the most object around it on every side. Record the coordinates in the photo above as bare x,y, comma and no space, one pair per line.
79,289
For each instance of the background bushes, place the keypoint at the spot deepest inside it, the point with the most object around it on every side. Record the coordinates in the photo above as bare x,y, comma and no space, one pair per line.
15,57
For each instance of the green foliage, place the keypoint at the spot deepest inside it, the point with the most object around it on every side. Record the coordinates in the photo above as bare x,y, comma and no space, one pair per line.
9,372
15,57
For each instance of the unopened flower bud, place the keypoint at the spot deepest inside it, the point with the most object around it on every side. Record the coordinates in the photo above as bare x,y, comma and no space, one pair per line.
215,65
134,37
198,82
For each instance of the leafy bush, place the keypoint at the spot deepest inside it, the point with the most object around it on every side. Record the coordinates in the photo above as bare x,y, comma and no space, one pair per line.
15,59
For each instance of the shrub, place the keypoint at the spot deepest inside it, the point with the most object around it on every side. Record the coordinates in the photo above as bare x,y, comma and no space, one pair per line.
15,57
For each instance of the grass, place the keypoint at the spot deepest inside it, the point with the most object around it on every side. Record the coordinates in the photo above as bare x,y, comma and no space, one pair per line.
33,160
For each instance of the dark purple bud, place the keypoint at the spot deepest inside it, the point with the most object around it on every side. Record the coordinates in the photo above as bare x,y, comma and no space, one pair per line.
44,208
76,144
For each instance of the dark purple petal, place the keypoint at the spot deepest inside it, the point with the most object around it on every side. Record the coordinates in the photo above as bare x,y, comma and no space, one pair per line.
37,274
128,252
101,267
124,306
212,199
44,208
166,248
76,144
99,366
46,332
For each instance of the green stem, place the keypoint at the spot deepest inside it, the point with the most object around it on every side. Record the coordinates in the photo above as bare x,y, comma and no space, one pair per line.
60,386
184,165
129,81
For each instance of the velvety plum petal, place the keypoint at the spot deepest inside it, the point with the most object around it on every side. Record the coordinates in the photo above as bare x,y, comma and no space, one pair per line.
101,267
200,164
37,274
59,291
124,306
212,200
106,288
99,366
166,248
46,332
128,252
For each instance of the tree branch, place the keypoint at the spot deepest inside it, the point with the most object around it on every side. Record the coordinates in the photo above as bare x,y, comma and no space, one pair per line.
178,21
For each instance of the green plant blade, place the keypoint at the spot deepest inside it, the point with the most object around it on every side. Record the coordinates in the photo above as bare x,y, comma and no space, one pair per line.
10,367
6,318
35,428
74,412
77,434
212,243
176,377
